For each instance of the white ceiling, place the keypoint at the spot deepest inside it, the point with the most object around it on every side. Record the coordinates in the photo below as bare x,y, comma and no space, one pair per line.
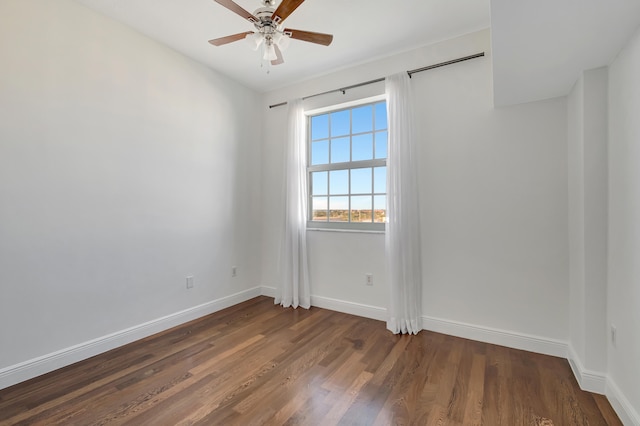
539,47
362,29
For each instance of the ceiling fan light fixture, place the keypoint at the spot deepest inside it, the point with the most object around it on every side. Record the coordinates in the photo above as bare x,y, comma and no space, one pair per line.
254,40
270,52
282,40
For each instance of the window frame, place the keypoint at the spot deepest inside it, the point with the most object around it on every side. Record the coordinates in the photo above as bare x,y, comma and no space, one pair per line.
349,166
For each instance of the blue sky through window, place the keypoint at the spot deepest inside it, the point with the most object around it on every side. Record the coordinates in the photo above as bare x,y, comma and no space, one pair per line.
340,123
362,147
362,119
361,181
319,127
381,116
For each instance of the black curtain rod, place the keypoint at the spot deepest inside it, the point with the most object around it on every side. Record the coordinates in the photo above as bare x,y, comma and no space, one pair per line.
377,80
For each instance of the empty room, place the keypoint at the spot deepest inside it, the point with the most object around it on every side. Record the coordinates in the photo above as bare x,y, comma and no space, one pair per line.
319,212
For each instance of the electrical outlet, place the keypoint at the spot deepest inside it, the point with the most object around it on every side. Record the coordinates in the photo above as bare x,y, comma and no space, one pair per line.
234,271
369,279
190,281
614,335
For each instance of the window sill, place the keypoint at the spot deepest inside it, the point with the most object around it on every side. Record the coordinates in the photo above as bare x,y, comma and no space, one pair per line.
351,231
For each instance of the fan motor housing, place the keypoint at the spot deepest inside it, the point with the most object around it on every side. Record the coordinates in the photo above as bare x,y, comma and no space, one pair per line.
264,15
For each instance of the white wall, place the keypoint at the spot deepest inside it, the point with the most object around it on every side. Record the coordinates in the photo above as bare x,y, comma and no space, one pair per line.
124,167
493,198
587,141
623,292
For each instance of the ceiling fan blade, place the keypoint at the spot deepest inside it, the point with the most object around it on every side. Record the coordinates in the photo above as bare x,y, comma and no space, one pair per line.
279,60
285,9
229,39
235,8
311,37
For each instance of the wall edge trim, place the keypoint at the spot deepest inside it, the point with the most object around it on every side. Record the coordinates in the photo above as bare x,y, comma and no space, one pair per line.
589,380
621,405
338,305
359,309
496,336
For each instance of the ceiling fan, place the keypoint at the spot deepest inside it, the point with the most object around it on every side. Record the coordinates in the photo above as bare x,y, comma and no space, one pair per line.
270,32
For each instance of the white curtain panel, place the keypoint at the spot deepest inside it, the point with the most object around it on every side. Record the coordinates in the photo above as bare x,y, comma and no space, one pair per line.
402,237
294,289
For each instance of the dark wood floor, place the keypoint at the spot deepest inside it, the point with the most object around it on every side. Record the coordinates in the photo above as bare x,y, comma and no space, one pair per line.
257,363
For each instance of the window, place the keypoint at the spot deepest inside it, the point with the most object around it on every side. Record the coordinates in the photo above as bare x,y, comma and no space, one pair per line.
347,167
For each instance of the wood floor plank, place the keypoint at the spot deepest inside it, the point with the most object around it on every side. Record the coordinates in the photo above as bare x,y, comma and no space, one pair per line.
475,395
366,407
258,363
446,398
405,395
341,401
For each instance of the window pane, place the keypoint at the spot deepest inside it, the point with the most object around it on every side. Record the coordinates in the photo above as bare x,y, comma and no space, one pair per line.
381,144
361,209
338,182
338,209
319,209
340,150
381,116
320,152
380,179
362,118
320,127
361,181
340,125
362,147
380,208
319,183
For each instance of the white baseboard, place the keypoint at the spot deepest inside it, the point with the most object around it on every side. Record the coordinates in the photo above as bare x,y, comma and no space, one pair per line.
623,408
599,383
591,381
268,291
359,309
35,367
510,339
